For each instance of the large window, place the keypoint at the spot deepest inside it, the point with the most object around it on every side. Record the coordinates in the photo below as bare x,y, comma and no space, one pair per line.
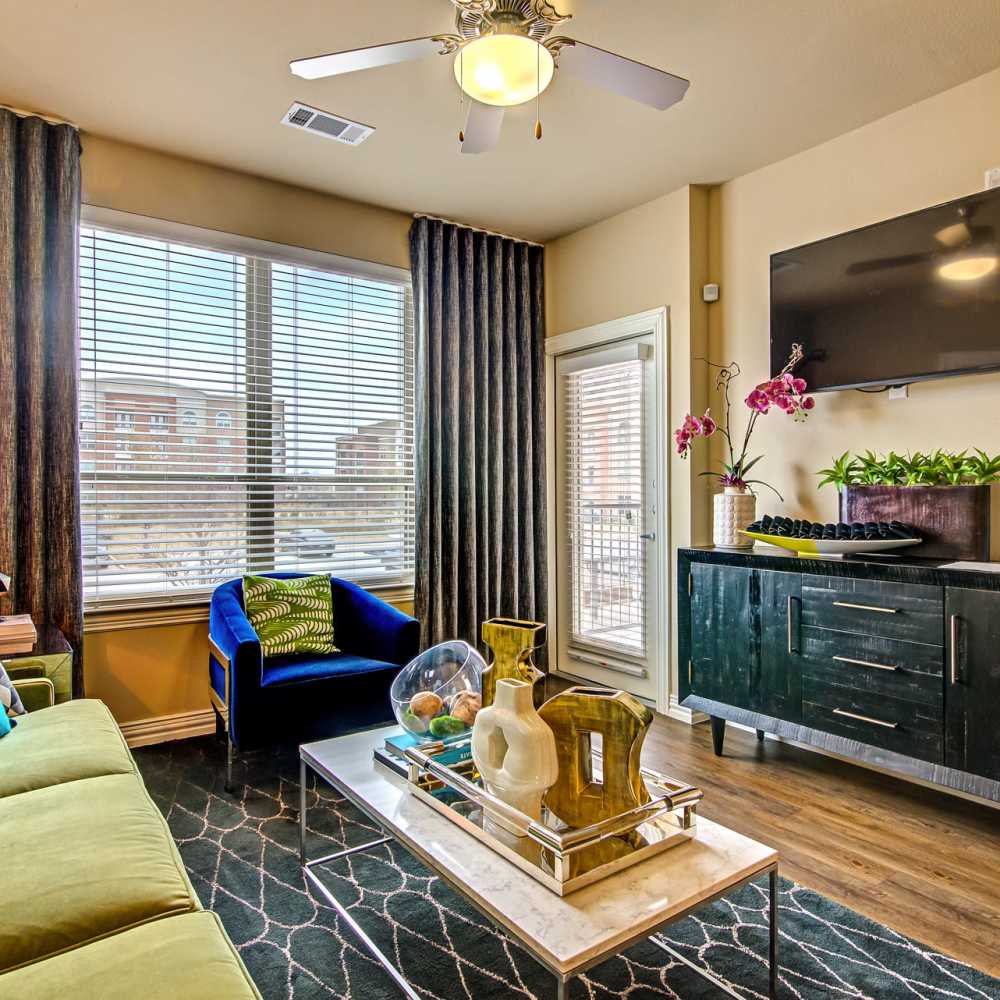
240,413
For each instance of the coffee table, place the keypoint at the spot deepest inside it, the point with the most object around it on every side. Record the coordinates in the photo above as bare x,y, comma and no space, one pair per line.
567,935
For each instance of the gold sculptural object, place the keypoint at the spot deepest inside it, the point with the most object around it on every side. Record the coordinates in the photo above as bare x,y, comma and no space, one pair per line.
622,721
513,643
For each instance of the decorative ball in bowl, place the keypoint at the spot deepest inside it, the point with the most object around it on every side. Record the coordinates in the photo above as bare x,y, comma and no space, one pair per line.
438,694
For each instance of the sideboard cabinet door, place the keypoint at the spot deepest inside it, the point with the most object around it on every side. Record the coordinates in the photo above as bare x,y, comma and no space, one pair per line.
972,681
776,683
721,638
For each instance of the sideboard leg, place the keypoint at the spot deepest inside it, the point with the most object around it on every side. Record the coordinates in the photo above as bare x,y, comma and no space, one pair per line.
718,734
760,735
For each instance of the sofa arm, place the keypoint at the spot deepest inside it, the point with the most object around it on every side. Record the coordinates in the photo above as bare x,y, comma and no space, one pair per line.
33,688
365,625
233,639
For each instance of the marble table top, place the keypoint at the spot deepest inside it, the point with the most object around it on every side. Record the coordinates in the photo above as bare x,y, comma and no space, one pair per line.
566,933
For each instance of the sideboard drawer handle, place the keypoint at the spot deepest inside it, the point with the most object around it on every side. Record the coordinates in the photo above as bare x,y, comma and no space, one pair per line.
866,607
866,663
865,718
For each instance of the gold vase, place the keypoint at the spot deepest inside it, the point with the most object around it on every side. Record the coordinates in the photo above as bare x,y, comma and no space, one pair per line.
623,721
513,643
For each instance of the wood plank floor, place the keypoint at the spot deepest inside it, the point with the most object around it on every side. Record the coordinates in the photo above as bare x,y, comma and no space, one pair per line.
925,863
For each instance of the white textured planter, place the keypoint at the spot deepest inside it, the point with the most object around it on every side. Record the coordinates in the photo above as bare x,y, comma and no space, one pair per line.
514,750
735,509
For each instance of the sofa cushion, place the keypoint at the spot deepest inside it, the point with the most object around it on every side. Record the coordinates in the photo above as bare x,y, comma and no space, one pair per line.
186,956
67,742
87,859
296,669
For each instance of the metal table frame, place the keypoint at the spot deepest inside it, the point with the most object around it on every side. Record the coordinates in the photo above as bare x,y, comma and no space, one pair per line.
562,978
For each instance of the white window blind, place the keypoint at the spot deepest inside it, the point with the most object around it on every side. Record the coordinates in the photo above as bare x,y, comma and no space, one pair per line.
239,414
603,425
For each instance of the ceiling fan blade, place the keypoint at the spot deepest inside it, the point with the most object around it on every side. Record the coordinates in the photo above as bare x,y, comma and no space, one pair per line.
623,76
886,263
482,128
353,60
954,235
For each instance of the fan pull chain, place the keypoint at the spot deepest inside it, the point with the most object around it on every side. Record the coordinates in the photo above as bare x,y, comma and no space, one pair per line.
538,93
461,95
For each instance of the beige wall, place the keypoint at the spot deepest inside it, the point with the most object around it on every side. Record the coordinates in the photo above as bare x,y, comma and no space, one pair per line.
143,673
655,255
132,179
928,153
158,670
661,253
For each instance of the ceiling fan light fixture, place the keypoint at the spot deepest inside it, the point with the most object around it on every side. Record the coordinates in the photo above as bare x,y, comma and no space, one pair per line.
968,268
504,70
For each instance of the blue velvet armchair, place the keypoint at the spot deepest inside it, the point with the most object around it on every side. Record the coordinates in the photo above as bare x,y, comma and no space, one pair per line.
303,697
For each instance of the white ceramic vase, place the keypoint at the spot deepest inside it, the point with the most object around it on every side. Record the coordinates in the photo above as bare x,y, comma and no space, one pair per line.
735,509
514,750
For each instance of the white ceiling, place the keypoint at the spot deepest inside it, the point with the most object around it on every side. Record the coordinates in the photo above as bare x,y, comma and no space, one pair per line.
210,81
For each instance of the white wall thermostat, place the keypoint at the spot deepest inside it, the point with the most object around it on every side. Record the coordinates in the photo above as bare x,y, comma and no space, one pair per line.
710,293
992,178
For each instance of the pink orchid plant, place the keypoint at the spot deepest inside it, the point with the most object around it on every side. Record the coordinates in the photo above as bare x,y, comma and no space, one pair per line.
785,392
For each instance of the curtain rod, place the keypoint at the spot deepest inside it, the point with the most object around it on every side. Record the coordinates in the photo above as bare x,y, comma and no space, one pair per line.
51,119
476,229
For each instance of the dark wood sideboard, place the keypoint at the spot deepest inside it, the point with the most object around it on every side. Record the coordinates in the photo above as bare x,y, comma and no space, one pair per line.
888,661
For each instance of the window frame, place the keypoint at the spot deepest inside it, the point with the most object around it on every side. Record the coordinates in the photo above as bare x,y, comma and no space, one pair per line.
146,226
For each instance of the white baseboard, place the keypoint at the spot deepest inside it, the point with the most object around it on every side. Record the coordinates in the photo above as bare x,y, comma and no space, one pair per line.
165,728
689,715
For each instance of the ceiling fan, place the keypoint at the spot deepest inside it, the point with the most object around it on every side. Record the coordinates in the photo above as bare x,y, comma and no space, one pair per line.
967,252
505,55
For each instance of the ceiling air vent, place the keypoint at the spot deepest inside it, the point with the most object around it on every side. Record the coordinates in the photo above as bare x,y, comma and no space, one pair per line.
325,125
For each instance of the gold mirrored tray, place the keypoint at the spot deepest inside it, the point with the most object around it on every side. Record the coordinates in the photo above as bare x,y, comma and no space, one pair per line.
562,859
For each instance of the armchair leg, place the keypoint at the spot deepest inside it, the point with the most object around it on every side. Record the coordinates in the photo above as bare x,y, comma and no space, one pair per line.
229,765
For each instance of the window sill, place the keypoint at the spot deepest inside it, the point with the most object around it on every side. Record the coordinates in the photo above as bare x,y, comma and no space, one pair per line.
118,619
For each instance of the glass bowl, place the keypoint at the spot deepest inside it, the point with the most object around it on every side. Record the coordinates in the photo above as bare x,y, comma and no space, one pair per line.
437,695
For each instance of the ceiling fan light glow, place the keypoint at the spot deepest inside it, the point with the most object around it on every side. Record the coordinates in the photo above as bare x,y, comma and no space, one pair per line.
968,268
504,69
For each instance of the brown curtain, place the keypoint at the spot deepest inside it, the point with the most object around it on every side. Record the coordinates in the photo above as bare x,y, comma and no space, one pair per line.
480,409
39,361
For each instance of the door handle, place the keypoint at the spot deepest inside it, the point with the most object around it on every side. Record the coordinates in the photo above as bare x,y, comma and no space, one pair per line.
649,536
955,619
792,645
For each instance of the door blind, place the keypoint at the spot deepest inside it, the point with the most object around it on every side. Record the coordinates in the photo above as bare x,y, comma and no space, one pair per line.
604,497
239,414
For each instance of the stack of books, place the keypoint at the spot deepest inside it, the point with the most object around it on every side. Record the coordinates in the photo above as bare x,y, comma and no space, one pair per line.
17,634
451,751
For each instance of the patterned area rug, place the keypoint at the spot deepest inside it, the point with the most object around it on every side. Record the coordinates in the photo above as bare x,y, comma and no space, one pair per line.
242,855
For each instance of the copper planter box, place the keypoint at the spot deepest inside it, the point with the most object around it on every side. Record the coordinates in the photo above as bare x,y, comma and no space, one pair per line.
954,521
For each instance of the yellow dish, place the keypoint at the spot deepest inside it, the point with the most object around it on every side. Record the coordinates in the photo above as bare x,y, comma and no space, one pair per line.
831,546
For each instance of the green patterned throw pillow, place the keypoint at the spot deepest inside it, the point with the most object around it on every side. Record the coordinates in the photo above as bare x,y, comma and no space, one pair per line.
290,616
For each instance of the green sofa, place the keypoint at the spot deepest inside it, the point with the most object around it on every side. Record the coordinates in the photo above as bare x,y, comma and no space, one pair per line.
97,905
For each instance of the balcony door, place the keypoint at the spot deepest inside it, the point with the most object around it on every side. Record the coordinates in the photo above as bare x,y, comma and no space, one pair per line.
606,516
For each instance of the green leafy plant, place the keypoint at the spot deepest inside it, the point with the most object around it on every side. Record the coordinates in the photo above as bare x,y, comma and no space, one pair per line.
843,472
937,468
982,469
873,470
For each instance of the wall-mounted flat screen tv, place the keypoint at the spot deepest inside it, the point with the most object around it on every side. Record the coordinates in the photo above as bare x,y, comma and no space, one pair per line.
913,298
